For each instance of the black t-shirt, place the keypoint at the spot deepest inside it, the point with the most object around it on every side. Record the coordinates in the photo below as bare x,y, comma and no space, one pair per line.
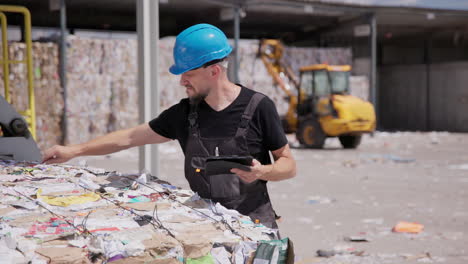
265,131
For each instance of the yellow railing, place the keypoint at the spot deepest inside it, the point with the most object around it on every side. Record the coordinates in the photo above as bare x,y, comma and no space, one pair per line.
30,113
6,70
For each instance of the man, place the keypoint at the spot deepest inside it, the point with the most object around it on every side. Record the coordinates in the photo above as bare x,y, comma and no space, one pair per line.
218,118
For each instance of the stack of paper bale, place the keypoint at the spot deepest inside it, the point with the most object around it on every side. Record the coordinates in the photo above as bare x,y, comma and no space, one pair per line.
102,82
48,94
253,74
65,214
359,86
170,90
47,88
120,63
298,57
102,87
88,89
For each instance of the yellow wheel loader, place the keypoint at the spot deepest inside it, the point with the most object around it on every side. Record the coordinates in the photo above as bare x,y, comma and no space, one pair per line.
320,106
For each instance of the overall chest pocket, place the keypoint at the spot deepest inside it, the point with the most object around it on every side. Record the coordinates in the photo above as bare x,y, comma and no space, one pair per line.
211,184
224,185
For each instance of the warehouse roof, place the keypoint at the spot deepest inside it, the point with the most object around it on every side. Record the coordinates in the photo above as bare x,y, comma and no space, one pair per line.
275,18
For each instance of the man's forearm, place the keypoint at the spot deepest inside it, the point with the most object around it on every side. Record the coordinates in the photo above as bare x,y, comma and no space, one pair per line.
110,143
283,168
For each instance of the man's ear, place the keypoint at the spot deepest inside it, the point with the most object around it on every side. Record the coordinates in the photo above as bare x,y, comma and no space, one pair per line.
215,70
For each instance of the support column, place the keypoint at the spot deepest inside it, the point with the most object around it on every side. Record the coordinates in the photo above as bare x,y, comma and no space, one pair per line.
428,62
63,66
148,77
373,65
236,43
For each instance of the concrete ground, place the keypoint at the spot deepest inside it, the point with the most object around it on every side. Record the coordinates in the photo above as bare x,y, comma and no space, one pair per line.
363,193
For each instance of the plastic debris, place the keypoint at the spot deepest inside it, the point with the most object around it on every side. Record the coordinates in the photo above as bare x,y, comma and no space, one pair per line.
319,200
408,227
356,239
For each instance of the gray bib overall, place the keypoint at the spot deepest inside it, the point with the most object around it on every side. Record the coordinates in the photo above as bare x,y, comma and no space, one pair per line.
228,189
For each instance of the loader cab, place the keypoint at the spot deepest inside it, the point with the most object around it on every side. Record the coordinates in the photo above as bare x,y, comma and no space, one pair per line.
317,83
339,78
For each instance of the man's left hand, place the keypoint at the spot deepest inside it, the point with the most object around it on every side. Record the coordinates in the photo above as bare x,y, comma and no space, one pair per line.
257,172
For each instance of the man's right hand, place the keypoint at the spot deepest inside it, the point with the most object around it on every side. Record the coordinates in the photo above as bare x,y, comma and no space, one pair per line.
58,154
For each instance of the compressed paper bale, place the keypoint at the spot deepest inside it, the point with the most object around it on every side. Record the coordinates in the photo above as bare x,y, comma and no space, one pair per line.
171,92
196,248
116,92
19,94
147,206
47,89
48,94
59,255
84,55
80,131
88,106
161,244
124,102
298,57
359,86
119,57
149,243
146,258
254,74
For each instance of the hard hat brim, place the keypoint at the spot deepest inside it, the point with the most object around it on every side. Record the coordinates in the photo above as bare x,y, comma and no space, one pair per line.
176,70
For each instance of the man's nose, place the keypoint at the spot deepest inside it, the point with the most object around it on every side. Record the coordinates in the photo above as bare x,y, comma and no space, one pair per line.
183,81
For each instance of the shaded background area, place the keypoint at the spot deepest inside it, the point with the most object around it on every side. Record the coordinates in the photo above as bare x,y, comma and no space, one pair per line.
419,43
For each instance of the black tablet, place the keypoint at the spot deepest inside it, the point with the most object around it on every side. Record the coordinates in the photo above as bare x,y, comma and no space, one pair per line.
224,164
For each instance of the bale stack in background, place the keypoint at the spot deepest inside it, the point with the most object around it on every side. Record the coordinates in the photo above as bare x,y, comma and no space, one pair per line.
102,87
102,82
170,90
48,93
47,89
119,62
299,57
88,90
359,86
253,74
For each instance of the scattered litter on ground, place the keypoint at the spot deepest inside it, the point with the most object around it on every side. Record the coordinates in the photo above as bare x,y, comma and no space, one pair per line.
376,158
377,221
320,200
419,256
339,250
356,239
459,167
408,227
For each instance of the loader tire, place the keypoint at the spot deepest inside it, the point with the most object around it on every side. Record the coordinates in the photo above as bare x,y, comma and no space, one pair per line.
350,141
310,134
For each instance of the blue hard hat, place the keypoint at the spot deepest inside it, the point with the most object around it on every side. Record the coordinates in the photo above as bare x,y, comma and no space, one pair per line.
198,45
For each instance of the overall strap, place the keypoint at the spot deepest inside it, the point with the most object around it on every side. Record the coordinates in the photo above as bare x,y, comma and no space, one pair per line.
193,120
248,113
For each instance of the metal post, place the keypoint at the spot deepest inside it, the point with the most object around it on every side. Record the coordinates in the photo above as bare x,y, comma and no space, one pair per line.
63,66
373,64
236,43
148,76
428,61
